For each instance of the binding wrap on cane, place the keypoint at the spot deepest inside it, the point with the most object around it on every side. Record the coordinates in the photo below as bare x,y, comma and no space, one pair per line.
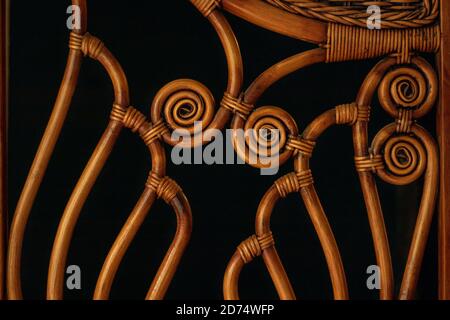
134,120
165,188
118,113
236,105
305,179
369,164
75,41
294,182
254,246
405,120
300,145
287,185
206,6
364,113
154,133
351,113
346,43
92,46
346,114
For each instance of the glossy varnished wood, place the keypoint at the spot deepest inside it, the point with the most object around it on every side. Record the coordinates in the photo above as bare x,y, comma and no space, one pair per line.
39,165
337,42
443,125
269,17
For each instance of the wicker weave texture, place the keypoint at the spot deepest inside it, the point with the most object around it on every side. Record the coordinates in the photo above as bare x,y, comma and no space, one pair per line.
394,13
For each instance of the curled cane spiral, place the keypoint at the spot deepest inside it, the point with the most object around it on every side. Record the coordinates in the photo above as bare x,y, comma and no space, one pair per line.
404,156
412,87
182,104
266,133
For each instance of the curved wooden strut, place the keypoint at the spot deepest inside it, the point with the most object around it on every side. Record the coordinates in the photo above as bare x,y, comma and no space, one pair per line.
358,115
82,43
385,157
41,160
286,185
122,115
369,161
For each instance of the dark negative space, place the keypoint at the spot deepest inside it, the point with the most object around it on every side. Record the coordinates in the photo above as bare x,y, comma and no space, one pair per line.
157,42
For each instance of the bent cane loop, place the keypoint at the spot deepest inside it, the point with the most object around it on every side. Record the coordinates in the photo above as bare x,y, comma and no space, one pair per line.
244,106
94,48
423,160
424,219
346,114
163,188
367,180
400,44
384,77
165,104
409,152
240,121
301,181
345,43
43,155
173,256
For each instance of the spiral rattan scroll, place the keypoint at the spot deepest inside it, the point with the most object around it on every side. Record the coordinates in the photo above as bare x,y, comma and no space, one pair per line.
400,154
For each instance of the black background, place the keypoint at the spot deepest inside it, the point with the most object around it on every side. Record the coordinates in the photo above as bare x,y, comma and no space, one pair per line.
157,42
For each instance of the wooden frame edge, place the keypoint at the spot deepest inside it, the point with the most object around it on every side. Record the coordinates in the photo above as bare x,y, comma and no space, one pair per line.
443,126
276,20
